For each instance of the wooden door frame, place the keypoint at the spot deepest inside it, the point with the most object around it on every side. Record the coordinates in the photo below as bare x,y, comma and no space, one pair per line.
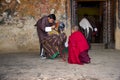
108,23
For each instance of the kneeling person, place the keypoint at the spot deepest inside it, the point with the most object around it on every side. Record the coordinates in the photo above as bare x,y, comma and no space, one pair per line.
55,41
77,47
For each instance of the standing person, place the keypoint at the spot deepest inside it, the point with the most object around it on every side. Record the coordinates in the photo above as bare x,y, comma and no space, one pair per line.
77,47
46,21
87,27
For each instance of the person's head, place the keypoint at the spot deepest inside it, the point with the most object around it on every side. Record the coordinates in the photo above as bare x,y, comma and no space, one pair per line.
75,28
85,15
51,18
61,27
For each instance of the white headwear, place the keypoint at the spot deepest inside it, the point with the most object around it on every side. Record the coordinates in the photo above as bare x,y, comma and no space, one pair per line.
84,23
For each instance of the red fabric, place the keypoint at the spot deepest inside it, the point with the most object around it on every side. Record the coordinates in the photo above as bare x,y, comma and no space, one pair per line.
77,44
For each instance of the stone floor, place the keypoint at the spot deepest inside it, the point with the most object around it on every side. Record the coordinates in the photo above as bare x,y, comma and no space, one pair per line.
105,65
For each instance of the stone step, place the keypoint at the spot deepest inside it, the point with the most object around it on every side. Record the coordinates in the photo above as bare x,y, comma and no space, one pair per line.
97,46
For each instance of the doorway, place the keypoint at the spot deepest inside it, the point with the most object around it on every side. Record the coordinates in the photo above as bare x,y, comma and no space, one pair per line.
101,12
93,10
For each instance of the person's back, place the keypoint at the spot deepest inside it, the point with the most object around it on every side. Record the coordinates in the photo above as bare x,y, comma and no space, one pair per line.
87,27
76,46
79,38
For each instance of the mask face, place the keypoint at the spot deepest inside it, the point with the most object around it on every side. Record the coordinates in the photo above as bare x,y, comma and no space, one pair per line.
61,27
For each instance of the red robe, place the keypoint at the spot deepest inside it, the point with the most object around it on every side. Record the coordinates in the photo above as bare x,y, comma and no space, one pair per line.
77,45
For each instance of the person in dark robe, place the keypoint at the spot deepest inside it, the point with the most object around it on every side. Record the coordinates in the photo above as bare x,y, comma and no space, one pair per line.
77,47
85,24
46,21
54,43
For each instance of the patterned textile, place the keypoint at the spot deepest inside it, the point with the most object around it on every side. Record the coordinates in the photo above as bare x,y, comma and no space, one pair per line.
52,44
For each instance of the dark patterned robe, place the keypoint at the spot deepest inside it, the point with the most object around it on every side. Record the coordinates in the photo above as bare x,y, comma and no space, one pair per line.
41,24
53,44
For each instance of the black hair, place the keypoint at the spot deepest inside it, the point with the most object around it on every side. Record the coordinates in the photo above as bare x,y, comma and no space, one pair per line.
85,15
52,16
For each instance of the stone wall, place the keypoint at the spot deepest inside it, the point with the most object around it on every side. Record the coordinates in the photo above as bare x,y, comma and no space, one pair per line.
117,37
117,30
19,37
17,19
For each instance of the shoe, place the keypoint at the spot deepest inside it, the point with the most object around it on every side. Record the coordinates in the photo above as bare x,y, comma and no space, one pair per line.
42,57
88,62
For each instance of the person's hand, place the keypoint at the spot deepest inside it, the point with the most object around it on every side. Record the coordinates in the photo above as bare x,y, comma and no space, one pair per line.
53,26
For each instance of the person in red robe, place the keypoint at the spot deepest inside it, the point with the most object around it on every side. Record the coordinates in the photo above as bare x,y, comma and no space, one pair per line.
77,47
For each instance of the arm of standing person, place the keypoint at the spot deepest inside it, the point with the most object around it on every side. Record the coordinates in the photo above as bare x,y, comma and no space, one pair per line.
42,23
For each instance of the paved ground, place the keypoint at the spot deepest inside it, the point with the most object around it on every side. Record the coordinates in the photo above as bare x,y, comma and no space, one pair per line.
105,65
